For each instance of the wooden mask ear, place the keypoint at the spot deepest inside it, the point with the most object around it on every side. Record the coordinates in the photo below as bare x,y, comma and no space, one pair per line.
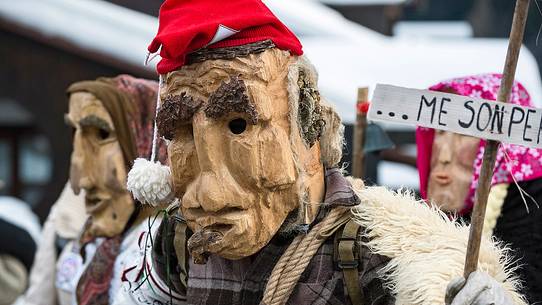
309,113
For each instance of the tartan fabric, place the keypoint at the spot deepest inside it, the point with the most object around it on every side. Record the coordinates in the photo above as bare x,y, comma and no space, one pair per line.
338,190
221,281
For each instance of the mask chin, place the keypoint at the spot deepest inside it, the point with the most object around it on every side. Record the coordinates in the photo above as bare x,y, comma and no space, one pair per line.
446,201
102,228
113,220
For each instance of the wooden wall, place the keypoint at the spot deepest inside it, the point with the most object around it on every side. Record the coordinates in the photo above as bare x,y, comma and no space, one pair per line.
37,75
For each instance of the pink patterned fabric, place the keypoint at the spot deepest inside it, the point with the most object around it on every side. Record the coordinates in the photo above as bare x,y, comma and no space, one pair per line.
142,93
523,163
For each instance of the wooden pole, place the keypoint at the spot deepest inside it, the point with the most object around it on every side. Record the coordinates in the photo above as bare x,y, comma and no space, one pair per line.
490,153
358,156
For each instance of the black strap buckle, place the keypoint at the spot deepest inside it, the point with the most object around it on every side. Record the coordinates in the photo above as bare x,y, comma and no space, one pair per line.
348,264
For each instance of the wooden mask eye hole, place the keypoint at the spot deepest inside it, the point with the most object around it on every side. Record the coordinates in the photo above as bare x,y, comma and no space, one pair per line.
237,126
103,134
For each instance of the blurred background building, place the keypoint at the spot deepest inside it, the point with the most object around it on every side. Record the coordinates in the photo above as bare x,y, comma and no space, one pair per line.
48,44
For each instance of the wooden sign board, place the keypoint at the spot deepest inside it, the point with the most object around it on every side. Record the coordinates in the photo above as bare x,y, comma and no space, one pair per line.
475,117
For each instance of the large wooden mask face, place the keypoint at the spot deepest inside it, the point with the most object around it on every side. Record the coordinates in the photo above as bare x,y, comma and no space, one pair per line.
239,163
97,166
452,160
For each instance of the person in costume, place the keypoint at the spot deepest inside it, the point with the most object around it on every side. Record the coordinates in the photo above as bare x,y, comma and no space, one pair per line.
266,215
20,229
62,225
112,120
449,166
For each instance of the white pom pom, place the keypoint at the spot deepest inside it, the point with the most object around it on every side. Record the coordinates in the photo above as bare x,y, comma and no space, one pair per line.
150,182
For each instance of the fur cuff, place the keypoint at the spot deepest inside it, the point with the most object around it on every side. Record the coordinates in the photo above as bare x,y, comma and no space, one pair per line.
426,248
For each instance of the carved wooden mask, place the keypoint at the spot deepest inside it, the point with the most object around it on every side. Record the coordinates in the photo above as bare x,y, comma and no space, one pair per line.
97,166
452,160
239,163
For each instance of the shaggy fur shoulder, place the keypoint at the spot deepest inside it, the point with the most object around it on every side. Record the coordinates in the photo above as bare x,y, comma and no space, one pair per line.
426,249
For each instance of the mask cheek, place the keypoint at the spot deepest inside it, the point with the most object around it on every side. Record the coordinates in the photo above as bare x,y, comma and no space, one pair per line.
278,170
183,164
244,157
115,170
75,176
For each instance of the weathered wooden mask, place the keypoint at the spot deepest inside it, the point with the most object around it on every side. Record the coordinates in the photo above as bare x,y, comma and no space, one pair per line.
451,172
245,147
98,166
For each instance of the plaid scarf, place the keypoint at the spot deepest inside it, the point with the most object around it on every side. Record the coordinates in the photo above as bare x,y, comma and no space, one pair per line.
243,281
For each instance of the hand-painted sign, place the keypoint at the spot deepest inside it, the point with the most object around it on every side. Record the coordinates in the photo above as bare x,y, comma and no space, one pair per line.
476,117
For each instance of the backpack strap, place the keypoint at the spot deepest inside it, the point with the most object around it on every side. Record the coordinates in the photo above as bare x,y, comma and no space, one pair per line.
179,243
170,254
348,260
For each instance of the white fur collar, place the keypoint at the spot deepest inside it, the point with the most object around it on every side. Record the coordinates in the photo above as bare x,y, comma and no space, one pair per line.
426,249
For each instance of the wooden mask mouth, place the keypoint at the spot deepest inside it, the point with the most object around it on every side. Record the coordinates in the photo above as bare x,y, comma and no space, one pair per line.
95,204
214,226
205,241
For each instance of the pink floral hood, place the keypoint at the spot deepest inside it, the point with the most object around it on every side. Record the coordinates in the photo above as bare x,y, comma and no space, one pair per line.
513,161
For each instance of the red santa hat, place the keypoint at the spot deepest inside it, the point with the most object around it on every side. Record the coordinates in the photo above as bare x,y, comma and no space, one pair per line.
185,27
189,25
